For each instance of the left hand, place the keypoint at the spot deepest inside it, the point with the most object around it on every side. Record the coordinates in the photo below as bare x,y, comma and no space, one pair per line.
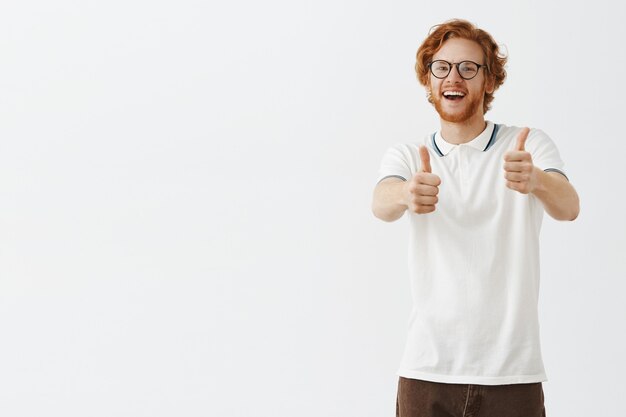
519,170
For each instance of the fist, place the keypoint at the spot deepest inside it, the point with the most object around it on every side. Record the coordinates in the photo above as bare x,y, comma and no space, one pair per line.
421,191
519,170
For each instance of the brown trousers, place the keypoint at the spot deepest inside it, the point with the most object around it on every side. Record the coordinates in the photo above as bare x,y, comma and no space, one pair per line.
417,398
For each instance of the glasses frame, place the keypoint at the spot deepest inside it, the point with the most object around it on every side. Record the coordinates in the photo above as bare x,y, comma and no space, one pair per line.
458,65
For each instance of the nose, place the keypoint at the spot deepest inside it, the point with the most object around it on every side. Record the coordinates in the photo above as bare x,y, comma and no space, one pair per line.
454,75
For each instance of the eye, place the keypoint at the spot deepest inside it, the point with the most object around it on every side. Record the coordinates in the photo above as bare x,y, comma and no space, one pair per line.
468,68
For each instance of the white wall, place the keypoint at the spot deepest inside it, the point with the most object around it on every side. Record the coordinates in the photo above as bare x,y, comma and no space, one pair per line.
185,188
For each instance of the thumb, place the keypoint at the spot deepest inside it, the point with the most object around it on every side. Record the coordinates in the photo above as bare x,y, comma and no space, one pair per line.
521,139
425,158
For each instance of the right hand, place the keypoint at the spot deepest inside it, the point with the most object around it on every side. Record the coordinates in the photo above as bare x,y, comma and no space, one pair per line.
421,191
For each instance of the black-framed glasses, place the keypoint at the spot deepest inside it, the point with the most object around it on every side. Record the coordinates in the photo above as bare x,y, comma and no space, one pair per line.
466,69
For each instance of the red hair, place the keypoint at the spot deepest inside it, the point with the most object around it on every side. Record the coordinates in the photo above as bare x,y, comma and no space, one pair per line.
458,28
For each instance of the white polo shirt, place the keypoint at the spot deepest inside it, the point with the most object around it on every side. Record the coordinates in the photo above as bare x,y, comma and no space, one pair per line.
474,262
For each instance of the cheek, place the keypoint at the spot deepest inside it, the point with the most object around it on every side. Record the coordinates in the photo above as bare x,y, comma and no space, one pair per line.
480,89
434,83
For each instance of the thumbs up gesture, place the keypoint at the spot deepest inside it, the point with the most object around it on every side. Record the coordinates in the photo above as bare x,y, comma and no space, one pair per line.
519,170
422,189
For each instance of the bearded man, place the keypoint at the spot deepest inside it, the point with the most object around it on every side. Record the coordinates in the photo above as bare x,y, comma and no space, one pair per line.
474,193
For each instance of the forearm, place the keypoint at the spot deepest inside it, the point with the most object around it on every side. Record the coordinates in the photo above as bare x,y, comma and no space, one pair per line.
388,203
558,196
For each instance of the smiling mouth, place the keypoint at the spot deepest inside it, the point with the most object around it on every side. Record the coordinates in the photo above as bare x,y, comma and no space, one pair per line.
453,95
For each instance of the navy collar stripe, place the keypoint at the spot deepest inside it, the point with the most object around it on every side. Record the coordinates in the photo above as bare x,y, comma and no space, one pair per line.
492,139
435,145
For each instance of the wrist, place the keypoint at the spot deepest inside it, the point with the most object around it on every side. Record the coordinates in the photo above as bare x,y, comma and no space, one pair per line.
539,185
403,195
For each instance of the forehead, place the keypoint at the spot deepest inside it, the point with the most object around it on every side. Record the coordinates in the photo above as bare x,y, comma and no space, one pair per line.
457,50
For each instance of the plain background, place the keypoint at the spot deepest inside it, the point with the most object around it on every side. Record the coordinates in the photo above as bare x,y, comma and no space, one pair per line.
185,189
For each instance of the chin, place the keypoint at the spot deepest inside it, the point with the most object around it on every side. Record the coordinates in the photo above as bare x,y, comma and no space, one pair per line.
460,115
456,117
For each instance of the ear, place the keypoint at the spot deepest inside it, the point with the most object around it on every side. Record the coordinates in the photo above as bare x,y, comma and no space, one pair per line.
490,84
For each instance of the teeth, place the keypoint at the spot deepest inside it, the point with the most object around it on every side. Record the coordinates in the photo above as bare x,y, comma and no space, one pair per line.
453,93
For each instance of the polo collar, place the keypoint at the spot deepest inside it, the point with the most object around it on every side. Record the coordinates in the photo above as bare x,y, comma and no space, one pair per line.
481,142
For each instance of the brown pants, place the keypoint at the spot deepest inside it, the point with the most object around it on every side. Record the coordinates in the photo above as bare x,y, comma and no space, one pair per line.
417,398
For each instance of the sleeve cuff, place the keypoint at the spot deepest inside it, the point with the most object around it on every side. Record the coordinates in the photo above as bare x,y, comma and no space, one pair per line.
391,176
554,170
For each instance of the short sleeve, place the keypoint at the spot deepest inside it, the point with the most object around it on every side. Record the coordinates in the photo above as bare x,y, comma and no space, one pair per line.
395,163
544,152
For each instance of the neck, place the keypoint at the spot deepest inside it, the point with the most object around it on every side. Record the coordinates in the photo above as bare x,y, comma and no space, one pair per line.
463,132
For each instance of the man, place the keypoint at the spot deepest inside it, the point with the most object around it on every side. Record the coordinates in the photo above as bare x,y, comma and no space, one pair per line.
475,193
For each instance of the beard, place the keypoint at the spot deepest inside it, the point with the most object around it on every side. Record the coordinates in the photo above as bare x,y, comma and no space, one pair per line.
473,105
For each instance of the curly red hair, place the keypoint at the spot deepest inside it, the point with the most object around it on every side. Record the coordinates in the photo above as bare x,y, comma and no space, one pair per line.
458,28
